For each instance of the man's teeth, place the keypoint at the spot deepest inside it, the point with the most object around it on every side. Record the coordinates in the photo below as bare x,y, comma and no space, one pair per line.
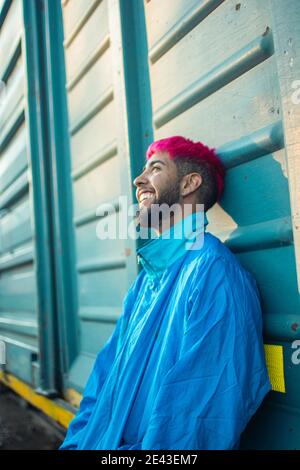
146,196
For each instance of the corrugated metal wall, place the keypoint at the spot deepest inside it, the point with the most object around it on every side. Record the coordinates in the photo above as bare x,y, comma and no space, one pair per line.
18,322
95,137
220,71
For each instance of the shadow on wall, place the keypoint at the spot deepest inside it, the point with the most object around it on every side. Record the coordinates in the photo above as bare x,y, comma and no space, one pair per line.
254,220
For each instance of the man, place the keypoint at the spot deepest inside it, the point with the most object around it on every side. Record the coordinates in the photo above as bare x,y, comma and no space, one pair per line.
184,367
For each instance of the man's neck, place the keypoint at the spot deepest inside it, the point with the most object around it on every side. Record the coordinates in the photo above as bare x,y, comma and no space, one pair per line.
181,211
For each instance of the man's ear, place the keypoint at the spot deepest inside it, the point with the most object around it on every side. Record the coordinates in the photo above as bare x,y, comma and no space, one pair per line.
190,183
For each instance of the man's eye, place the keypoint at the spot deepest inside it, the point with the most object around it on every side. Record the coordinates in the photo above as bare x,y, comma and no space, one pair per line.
155,168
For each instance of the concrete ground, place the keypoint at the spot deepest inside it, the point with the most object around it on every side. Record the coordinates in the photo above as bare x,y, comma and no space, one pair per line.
23,427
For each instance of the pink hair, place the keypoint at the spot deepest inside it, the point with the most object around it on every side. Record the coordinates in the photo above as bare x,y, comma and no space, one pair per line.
178,146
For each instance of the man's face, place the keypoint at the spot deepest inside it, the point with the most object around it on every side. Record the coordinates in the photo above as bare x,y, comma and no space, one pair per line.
157,184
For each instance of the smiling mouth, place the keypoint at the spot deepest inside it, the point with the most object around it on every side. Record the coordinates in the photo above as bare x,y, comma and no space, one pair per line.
146,196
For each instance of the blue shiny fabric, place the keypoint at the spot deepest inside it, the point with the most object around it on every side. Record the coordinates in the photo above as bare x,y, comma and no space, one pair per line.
185,366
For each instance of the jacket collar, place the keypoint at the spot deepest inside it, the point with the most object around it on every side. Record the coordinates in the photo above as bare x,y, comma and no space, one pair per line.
159,253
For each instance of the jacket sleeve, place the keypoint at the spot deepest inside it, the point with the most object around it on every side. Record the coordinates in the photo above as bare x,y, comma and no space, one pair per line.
220,378
97,378
92,389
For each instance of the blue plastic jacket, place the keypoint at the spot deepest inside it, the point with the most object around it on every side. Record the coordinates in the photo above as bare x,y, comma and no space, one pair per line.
185,366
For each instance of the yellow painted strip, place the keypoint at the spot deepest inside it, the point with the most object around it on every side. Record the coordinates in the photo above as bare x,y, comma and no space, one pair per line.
73,397
49,407
275,365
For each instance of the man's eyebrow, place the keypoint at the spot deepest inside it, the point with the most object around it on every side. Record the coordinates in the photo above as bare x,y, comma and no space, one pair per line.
153,163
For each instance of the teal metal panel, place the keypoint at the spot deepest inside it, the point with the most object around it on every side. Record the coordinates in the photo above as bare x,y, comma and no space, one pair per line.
34,34
16,226
95,173
109,106
62,203
20,359
137,83
18,320
15,162
52,200
37,265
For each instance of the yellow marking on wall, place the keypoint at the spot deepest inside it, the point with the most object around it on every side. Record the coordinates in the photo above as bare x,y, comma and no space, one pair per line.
49,407
275,366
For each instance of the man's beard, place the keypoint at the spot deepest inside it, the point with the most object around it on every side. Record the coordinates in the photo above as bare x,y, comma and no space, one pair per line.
155,215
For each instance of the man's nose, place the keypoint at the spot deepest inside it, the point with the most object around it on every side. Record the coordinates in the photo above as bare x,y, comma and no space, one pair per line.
141,179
